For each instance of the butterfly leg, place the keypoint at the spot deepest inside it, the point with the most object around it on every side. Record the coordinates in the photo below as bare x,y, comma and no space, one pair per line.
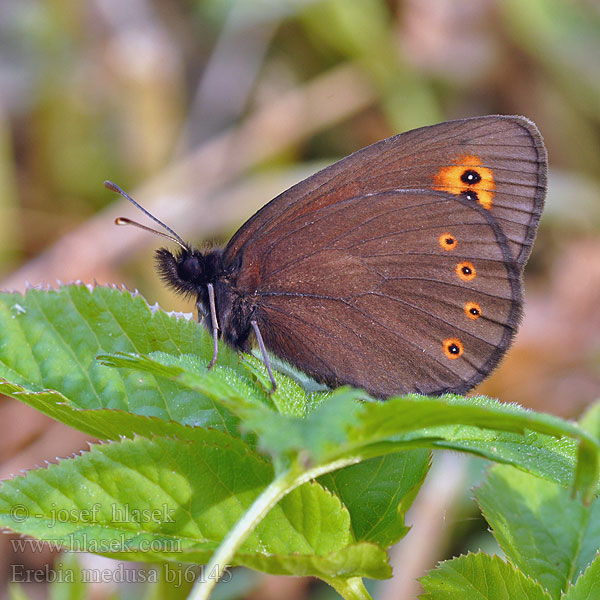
263,350
215,325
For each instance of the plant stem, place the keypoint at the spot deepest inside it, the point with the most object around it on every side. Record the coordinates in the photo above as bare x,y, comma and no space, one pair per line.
224,554
283,484
352,588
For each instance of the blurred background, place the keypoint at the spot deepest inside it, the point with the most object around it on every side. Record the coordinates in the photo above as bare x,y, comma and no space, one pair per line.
206,109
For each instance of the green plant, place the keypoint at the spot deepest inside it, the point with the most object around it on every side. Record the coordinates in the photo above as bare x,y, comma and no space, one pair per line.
551,542
206,467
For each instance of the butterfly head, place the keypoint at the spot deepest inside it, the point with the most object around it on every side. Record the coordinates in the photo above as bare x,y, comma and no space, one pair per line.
184,270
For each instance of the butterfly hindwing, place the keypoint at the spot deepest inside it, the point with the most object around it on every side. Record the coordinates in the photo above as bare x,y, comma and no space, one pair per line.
380,300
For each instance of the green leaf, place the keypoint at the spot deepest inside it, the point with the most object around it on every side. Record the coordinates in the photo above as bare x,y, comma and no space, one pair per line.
587,586
152,381
107,424
504,433
479,577
50,341
51,338
544,455
543,531
378,492
338,426
44,332
171,499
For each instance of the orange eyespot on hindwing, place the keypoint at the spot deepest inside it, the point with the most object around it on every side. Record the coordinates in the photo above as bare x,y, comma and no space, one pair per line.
467,178
453,348
466,271
447,241
472,310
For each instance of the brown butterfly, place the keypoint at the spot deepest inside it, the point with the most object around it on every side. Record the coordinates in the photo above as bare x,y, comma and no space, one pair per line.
397,269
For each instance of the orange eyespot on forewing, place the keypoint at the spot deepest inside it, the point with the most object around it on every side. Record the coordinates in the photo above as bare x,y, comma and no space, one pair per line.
466,271
472,310
466,177
453,348
447,241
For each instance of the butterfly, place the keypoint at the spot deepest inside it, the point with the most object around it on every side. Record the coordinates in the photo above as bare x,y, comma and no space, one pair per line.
397,269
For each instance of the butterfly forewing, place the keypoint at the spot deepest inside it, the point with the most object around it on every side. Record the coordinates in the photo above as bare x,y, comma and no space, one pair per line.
506,154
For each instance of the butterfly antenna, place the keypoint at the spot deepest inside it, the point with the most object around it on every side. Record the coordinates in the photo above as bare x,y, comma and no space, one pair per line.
125,221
